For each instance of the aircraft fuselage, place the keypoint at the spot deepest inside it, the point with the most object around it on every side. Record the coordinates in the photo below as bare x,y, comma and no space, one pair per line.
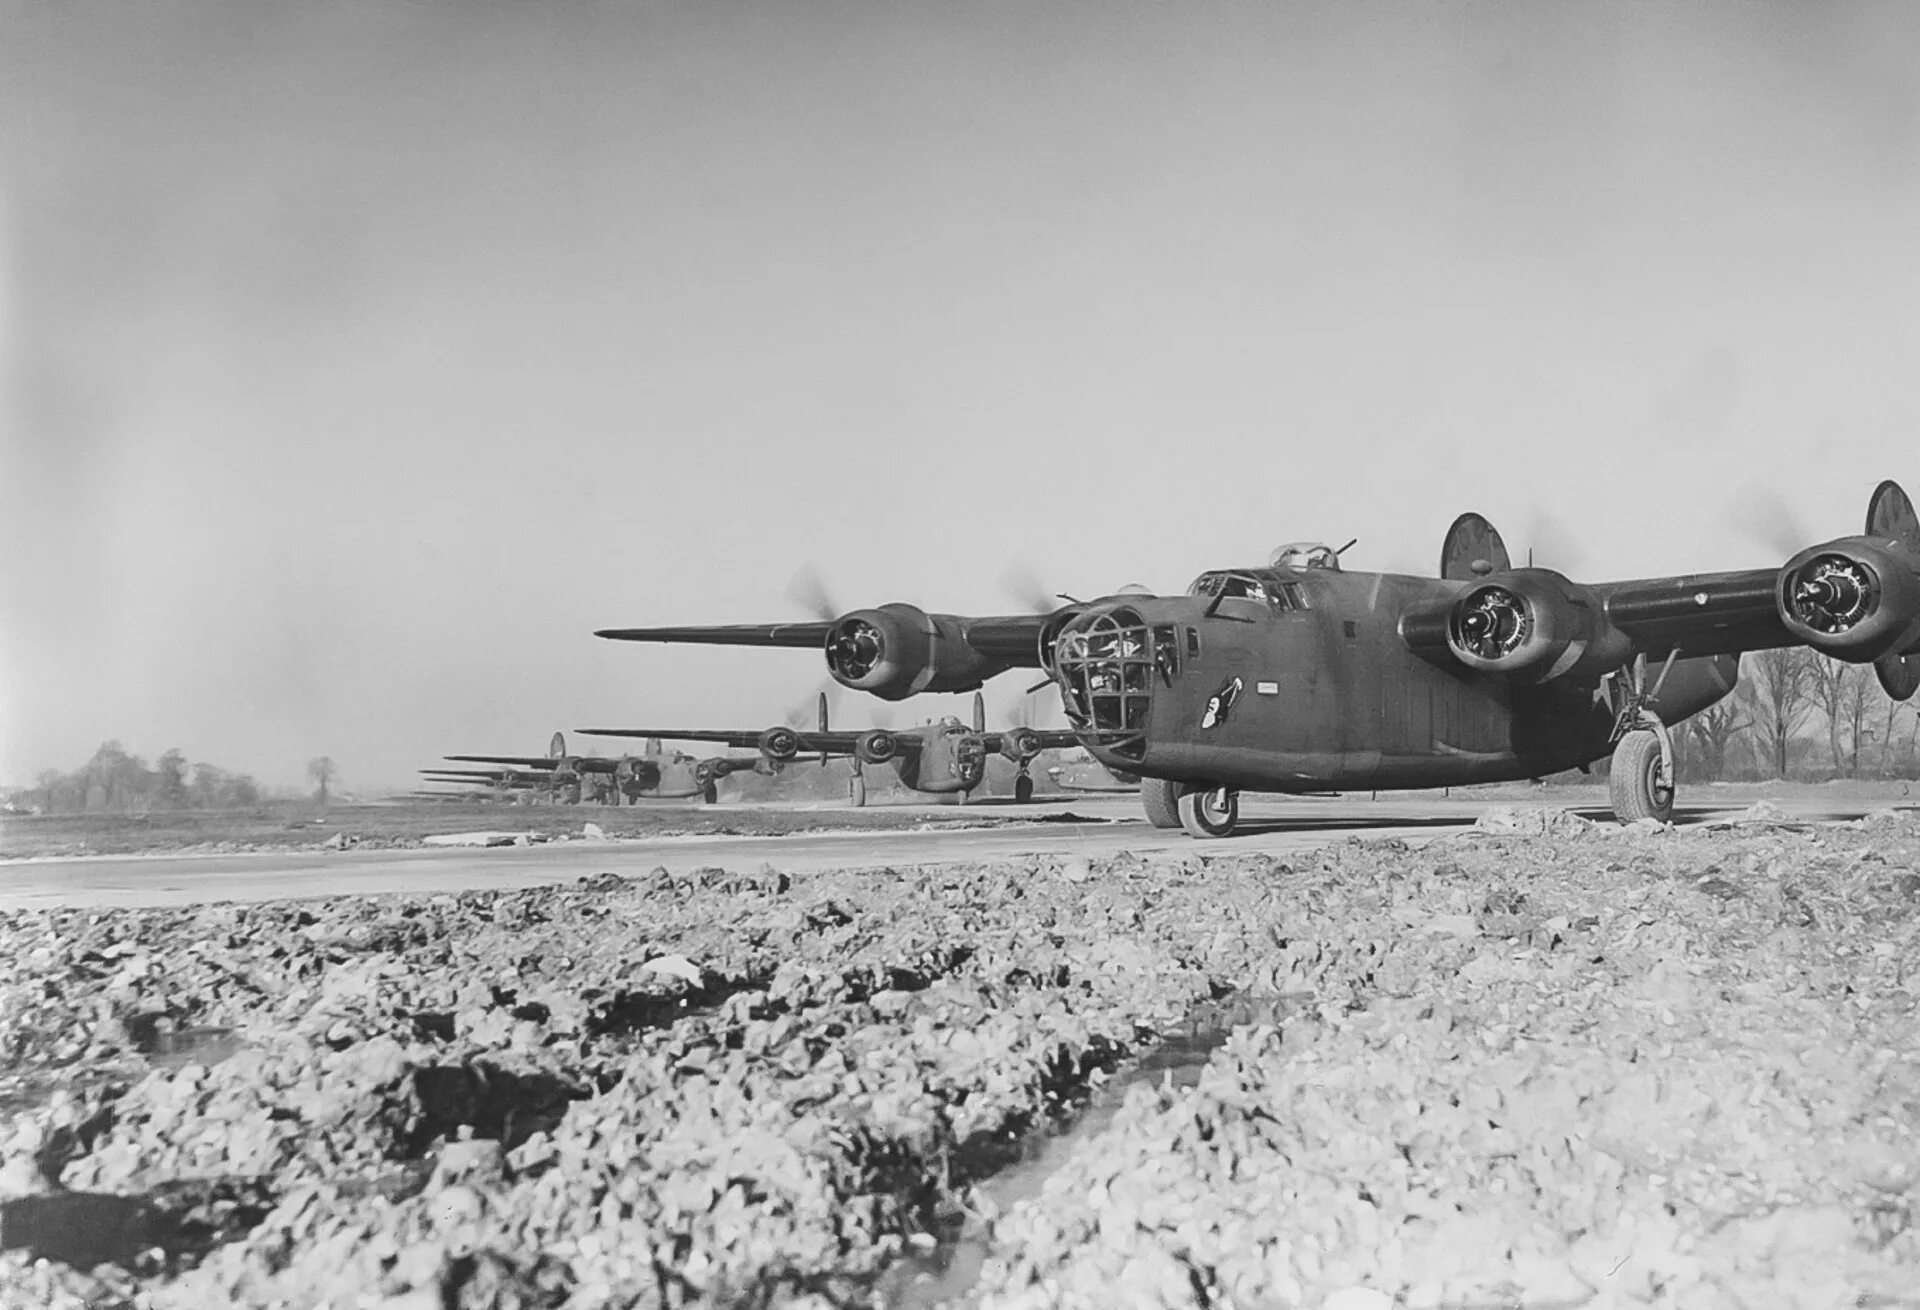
1305,684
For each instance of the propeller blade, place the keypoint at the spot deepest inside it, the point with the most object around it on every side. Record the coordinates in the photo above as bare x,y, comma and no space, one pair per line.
1550,545
1019,582
979,712
1762,515
823,711
809,592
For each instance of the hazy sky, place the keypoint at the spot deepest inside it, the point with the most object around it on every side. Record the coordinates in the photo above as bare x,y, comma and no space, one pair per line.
357,361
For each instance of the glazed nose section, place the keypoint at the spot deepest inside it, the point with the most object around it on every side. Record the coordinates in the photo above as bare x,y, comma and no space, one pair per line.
1104,663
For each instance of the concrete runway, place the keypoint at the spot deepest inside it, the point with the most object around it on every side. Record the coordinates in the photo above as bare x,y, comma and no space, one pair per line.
1269,825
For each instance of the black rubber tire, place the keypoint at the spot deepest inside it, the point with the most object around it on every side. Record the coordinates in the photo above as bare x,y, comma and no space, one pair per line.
1161,798
856,791
1022,789
1209,812
710,794
1636,782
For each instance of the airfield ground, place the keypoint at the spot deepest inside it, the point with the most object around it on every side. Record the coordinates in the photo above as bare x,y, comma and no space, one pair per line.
1529,1060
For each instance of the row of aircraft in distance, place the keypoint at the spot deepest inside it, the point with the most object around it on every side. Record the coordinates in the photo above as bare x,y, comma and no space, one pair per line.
943,758
1303,676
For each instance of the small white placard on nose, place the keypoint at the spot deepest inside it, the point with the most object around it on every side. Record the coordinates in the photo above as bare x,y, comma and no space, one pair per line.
1267,688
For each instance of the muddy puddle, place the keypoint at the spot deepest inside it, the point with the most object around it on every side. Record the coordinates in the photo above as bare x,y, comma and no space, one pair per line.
184,1046
947,1271
23,1091
164,1228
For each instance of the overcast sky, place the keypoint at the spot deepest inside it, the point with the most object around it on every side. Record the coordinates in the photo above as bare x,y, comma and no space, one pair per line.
357,361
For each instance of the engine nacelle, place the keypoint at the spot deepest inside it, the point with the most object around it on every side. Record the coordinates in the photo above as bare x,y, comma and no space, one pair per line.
1020,745
899,650
876,746
1855,599
781,745
1535,625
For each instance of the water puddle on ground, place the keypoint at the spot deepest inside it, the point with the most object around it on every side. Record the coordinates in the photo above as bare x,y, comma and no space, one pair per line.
173,1223
948,1271
184,1046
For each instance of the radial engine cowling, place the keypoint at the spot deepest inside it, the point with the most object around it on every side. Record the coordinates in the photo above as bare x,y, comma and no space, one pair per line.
899,650
1855,599
780,745
1533,624
876,746
1020,744
635,773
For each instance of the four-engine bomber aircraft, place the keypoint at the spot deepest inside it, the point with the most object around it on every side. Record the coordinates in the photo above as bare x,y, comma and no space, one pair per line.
654,775
942,758
1303,676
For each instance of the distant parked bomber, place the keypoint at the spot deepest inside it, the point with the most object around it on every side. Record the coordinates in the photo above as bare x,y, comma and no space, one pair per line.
1301,676
943,758
652,775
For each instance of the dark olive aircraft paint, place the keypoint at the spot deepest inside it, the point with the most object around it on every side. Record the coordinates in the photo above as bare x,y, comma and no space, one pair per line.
1303,676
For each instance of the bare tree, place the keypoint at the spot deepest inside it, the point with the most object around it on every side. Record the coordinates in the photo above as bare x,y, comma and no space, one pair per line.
1775,692
1840,689
1886,736
170,780
320,769
1859,698
1711,732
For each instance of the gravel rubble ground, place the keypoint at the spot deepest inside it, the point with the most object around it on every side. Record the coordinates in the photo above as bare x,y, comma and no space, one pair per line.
1541,1063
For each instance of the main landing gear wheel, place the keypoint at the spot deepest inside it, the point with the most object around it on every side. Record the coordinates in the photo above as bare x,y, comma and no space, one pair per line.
710,793
1161,799
1209,811
856,791
1022,789
1638,779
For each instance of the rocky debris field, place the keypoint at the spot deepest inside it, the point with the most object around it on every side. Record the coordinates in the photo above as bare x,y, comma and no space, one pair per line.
1542,1063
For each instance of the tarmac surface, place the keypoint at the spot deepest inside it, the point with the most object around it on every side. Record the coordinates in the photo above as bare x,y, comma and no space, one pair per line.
1082,826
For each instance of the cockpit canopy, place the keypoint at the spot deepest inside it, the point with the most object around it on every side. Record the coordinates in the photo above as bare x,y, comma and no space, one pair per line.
1268,586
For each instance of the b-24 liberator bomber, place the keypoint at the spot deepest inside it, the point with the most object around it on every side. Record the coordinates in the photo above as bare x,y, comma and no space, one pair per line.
946,757
655,774
1304,676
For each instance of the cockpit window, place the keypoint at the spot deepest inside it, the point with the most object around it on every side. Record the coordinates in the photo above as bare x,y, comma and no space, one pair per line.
1267,587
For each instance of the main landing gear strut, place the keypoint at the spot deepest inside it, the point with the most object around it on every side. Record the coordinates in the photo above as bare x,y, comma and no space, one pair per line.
1640,779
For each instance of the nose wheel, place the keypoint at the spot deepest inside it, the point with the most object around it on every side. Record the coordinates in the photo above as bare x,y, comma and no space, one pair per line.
1023,788
1209,811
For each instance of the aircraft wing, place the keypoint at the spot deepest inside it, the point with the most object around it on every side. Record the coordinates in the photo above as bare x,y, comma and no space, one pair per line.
731,634
586,764
1698,614
1042,739
810,743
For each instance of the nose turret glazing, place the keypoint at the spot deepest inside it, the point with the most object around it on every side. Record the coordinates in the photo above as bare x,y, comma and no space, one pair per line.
1105,662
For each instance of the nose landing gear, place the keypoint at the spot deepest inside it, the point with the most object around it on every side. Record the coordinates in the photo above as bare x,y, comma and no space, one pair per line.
1209,811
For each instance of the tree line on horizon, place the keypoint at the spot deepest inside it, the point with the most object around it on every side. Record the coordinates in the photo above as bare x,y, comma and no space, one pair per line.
115,782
